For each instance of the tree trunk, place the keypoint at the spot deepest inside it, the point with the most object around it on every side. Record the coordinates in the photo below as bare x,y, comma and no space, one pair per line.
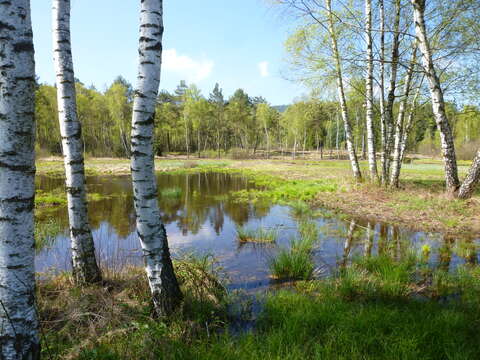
341,94
163,283
410,123
383,124
438,103
399,126
391,93
372,156
84,264
19,325
472,179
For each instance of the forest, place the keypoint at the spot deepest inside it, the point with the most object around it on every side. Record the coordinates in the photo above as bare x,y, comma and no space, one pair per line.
142,223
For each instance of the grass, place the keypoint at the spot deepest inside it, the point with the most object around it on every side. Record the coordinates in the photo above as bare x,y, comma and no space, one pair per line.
376,309
300,209
46,232
113,320
260,235
296,262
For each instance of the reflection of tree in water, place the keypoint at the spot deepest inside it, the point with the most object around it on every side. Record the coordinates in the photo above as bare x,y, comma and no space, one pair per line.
203,198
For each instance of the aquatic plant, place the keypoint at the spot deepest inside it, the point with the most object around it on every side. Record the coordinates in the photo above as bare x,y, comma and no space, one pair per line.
296,262
46,232
300,209
260,235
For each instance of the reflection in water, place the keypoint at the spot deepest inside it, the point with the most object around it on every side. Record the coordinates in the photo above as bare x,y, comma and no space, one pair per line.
201,217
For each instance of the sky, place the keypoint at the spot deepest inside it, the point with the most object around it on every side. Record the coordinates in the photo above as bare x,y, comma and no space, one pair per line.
239,45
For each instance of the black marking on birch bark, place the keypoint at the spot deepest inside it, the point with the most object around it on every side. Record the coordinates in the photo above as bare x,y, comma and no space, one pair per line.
6,67
155,26
76,232
137,153
156,47
15,267
23,46
5,26
141,137
25,168
25,78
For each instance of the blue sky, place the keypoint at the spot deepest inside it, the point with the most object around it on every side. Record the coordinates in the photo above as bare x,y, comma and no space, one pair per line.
239,45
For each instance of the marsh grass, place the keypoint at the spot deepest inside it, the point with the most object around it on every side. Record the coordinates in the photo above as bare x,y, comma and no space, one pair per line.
377,308
300,209
260,235
113,320
296,262
46,233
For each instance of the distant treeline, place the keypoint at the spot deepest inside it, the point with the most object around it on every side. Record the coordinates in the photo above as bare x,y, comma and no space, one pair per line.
189,122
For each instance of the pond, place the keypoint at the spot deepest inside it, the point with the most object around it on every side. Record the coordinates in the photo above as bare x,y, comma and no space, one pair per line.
201,216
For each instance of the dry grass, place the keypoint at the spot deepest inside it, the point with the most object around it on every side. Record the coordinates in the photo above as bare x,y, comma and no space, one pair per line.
77,318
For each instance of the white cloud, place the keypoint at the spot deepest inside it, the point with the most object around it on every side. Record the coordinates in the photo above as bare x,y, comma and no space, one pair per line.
192,70
263,68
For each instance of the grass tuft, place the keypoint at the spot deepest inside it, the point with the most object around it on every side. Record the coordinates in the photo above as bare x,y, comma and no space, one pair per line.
260,235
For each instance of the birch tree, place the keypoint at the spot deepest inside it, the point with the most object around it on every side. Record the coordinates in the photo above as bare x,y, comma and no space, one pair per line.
341,94
163,283
372,156
453,184
84,264
399,125
438,102
18,321
395,57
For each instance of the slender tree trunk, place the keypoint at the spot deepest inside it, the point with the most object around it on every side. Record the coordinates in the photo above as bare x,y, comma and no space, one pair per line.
84,264
391,92
337,137
166,292
410,123
383,123
372,156
399,126
18,320
187,141
341,94
438,103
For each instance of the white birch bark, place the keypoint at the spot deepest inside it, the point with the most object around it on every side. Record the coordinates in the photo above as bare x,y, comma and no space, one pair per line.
84,264
341,95
165,290
383,124
391,92
438,103
18,321
399,125
410,123
372,156
472,179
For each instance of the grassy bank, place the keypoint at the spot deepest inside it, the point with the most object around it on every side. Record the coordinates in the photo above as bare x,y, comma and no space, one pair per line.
420,203
375,308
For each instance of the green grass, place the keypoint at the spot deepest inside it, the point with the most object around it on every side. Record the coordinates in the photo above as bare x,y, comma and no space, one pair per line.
53,198
300,209
295,262
260,235
382,317
46,232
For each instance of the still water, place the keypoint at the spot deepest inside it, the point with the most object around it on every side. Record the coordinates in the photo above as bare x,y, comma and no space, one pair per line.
201,216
